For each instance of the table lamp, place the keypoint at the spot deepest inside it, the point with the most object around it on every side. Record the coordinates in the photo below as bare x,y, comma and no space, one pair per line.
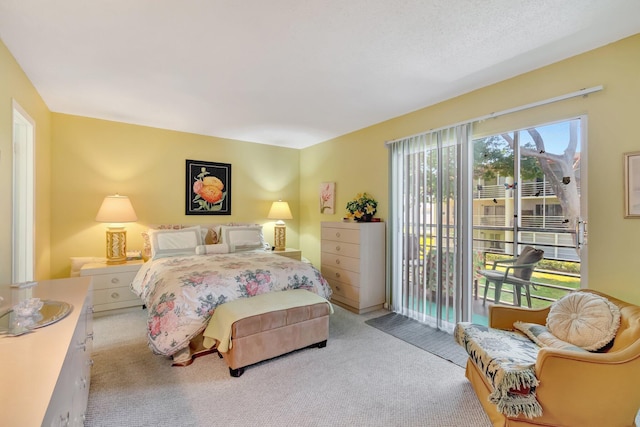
116,210
280,211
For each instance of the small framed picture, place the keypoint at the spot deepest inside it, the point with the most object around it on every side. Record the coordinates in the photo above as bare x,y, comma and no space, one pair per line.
632,185
327,197
208,188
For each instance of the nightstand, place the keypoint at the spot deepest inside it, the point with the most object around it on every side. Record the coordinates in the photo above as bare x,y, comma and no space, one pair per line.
290,253
111,282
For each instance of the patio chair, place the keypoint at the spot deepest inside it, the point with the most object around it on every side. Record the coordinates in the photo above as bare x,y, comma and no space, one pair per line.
517,272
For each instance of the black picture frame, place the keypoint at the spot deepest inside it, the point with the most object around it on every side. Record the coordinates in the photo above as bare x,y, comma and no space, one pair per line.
208,188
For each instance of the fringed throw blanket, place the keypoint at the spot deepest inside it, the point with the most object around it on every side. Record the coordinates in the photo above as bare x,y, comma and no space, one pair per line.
507,360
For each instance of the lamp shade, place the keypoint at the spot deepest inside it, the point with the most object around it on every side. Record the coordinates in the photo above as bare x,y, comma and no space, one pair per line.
116,209
280,210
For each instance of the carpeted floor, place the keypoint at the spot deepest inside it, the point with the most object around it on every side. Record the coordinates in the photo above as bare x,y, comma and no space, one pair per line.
422,336
364,377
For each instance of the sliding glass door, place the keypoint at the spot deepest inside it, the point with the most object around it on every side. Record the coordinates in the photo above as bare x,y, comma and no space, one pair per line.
527,191
458,205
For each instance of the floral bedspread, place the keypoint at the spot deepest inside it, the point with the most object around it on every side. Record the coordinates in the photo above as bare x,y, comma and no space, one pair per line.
181,292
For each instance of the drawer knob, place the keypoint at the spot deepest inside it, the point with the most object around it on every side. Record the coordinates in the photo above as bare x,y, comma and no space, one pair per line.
337,288
338,248
115,295
115,280
337,234
337,261
338,275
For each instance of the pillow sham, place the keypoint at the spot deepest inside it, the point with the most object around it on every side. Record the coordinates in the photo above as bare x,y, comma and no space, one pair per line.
166,243
584,319
146,242
243,237
210,234
540,335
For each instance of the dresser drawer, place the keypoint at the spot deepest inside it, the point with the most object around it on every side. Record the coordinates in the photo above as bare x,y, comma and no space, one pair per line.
340,248
339,275
113,295
113,280
345,302
345,291
340,235
340,261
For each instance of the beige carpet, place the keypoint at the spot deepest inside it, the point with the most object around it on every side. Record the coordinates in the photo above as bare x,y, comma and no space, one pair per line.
364,377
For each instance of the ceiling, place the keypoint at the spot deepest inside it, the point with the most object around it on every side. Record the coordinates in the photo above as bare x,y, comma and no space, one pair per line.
291,73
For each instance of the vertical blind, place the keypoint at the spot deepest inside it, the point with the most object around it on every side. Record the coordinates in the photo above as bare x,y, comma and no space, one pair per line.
429,221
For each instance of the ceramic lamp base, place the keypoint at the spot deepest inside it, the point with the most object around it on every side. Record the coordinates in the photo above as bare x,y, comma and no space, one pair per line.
280,237
116,245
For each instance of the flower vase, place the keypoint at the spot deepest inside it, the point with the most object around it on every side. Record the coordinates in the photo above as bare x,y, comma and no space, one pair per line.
365,218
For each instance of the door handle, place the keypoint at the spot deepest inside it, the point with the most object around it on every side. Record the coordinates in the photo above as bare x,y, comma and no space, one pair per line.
581,233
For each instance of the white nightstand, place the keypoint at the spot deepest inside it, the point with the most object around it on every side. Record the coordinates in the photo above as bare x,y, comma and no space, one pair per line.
290,253
111,284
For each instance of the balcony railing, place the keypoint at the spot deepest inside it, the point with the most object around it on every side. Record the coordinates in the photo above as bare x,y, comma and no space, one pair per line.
526,221
527,189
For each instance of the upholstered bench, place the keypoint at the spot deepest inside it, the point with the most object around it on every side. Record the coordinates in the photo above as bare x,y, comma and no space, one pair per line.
250,330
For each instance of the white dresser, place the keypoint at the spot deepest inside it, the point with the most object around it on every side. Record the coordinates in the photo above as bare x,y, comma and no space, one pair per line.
353,262
46,373
111,284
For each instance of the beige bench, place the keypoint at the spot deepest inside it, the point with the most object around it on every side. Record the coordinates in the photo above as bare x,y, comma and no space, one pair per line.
250,330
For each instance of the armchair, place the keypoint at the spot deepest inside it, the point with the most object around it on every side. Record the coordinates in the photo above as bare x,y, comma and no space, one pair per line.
517,273
575,388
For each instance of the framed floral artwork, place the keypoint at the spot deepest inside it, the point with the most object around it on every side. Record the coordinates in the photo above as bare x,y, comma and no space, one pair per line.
327,197
632,185
208,188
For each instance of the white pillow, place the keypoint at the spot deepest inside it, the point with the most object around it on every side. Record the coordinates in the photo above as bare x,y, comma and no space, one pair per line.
243,237
584,319
166,243
220,248
540,335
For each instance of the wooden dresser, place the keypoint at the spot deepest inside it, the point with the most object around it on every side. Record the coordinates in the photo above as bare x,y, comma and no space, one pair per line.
46,373
353,262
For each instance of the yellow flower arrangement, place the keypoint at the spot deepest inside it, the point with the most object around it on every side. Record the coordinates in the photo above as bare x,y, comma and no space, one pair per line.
361,206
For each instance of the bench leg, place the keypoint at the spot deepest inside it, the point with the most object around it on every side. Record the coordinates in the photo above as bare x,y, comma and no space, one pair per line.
236,372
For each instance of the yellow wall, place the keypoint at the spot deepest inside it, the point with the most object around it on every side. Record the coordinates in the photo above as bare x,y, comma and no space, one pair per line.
93,158
14,85
358,161
87,159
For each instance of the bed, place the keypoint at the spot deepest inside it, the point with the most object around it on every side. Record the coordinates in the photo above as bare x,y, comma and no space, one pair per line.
182,288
